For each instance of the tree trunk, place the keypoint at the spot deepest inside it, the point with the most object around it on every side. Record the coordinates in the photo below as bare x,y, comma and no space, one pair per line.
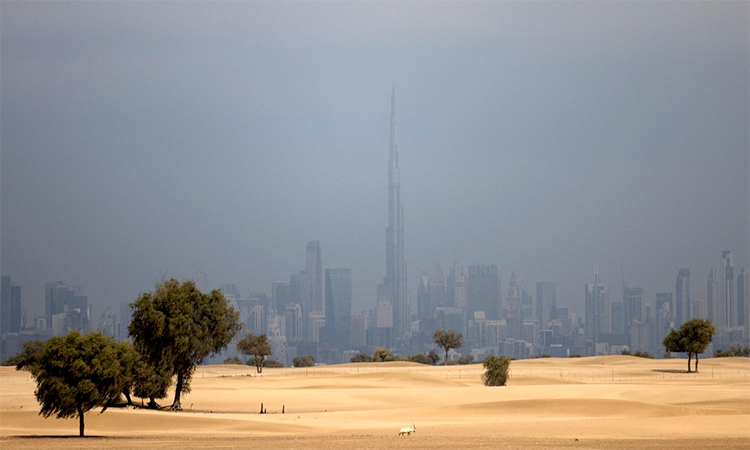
696,362
259,365
80,420
176,405
446,356
690,359
151,403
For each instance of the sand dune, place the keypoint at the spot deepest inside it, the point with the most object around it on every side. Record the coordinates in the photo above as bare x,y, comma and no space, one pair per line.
608,401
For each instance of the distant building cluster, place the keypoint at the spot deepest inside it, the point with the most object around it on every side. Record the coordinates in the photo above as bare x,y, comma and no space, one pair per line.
65,310
311,314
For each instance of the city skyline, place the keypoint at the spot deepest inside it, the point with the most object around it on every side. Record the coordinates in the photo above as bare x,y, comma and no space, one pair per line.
543,139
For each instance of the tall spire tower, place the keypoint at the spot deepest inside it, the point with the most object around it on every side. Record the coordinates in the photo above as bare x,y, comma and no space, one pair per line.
395,278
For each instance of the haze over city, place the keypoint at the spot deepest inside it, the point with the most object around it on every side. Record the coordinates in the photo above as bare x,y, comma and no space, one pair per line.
140,139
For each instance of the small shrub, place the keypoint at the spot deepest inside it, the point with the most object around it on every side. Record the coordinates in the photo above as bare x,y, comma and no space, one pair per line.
360,357
495,370
273,363
304,361
421,359
382,354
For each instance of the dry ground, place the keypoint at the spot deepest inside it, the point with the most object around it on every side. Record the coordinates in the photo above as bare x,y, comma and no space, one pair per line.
612,402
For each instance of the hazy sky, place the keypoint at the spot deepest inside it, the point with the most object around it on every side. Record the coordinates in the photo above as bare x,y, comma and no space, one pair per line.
140,137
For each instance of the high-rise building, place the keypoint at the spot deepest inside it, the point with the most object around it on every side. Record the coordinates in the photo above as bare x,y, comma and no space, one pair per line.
230,289
424,304
514,296
699,308
713,299
280,296
664,316
682,298
10,306
483,290
65,309
394,284
437,287
728,299
743,309
314,270
293,322
527,306
336,331
456,287
358,332
546,302
634,305
298,293
596,299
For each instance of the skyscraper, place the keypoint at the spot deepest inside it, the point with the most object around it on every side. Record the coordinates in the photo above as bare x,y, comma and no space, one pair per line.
713,295
682,298
10,307
483,290
596,299
664,316
728,300
546,302
394,284
314,269
336,331
742,300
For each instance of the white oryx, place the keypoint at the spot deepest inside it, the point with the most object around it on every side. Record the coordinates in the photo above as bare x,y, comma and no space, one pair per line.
408,431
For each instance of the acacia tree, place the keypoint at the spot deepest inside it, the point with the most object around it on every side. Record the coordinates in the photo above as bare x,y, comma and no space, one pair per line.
696,336
75,373
447,340
693,338
257,346
177,327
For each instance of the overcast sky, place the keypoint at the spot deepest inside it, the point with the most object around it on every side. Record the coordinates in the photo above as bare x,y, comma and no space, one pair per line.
139,138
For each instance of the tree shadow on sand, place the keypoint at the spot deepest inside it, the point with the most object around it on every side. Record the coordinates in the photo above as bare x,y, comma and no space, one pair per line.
671,371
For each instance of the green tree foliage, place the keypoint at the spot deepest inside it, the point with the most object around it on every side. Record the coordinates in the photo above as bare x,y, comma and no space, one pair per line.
304,361
256,346
177,327
23,359
693,337
638,353
495,370
273,363
382,354
75,373
420,358
733,350
447,340
233,360
360,357
697,335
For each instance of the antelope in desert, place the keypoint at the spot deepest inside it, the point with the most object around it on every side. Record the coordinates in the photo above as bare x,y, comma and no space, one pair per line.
408,431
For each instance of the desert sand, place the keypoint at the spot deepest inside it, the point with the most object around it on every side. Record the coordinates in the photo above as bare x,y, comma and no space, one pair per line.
610,402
